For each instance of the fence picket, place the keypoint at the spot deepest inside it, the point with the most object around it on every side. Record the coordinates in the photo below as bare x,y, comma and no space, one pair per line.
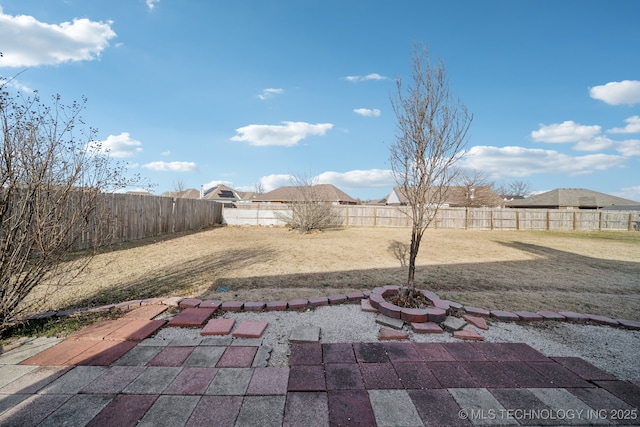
460,218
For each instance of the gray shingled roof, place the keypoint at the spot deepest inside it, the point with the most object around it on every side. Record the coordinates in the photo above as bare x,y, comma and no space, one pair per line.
320,192
571,197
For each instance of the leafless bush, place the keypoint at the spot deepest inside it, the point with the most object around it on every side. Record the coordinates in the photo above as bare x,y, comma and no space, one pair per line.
308,208
52,174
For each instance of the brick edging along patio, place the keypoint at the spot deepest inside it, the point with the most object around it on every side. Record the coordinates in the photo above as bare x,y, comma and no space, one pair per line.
436,314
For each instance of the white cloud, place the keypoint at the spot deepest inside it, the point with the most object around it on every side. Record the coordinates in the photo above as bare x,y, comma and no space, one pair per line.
213,183
271,182
631,193
28,42
165,153
633,126
596,144
288,134
368,77
366,112
371,178
152,3
14,83
118,146
270,92
171,166
629,148
567,131
617,93
509,162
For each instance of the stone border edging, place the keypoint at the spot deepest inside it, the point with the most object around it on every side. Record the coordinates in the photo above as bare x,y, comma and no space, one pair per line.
441,308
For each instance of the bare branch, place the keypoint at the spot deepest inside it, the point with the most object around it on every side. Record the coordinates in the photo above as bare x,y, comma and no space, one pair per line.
432,128
51,183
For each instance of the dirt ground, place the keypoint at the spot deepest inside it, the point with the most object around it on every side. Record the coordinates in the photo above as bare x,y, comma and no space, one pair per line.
586,272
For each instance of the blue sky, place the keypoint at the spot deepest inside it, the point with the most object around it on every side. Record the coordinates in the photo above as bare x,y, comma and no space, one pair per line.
245,92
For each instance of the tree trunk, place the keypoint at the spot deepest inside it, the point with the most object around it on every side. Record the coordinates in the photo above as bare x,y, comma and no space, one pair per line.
413,253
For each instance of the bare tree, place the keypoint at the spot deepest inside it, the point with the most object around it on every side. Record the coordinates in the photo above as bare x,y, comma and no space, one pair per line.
258,188
309,209
178,188
476,188
52,174
515,189
431,135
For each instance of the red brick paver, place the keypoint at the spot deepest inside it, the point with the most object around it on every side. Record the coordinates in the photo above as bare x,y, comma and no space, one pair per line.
104,353
468,334
391,334
124,410
171,356
298,304
192,317
215,304
190,303
135,330
145,312
237,357
477,311
60,354
476,321
218,327
254,306
426,328
365,305
232,305
250,329
98,330
276,306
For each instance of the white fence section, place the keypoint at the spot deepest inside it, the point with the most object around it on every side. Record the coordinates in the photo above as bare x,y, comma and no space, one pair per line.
461,218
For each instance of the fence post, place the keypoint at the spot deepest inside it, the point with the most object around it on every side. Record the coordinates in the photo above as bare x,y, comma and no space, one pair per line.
466,218
600,221
548,220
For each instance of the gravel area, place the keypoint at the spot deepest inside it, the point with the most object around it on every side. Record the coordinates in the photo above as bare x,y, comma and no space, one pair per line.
611,349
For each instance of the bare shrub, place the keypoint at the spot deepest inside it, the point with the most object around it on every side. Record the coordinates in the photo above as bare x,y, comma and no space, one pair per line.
432,132
308,208
52,175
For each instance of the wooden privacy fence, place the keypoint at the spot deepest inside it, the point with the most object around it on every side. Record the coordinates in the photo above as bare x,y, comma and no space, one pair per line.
132,216
460,218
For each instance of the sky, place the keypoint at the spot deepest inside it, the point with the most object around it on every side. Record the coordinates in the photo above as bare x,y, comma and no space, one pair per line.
194,93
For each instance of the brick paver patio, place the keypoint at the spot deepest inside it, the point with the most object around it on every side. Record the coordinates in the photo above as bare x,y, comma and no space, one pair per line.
118,373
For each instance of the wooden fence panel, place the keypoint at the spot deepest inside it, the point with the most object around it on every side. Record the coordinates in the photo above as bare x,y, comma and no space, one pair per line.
453,218
127,217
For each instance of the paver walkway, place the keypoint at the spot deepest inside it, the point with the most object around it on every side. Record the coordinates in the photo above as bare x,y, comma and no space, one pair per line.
114,374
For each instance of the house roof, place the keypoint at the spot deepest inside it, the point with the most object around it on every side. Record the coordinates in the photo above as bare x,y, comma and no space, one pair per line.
483,195
247,195
571,197
221,193
320,193
189,193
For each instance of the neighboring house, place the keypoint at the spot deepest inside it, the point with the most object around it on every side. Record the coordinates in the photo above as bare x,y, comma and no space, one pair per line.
456,196
221,194
572,198
247,196
190,193
326,193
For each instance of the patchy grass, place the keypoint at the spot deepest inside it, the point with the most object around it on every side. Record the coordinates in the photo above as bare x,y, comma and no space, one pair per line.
55,326
509,270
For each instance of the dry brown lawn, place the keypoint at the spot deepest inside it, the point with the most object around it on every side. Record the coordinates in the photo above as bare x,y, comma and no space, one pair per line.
586,272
